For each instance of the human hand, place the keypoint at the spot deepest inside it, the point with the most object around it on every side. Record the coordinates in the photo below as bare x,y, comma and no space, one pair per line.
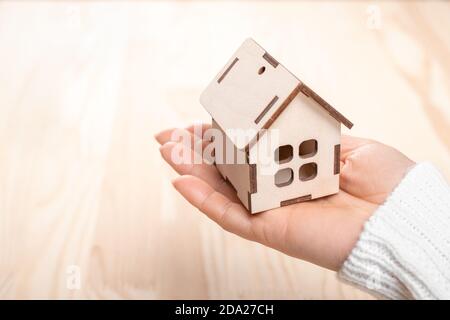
321,231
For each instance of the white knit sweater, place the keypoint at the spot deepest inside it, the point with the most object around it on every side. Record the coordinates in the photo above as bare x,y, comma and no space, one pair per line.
404,250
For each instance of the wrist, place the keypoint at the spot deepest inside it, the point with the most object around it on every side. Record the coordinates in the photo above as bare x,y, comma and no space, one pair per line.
404,250
361,213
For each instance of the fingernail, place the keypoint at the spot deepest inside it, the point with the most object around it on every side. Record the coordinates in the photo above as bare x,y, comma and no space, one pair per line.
163,136
165,150
163,147
177,181
157,137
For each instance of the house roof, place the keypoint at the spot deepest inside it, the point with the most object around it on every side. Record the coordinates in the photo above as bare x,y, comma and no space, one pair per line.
252,90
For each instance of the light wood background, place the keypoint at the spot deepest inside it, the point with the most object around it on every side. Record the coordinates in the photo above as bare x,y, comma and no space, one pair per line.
84,86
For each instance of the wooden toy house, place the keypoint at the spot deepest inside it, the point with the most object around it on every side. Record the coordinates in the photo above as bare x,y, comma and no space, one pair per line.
254,91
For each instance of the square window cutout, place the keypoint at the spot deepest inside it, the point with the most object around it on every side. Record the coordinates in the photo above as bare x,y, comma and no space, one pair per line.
308,171
284,154
284,177
307,148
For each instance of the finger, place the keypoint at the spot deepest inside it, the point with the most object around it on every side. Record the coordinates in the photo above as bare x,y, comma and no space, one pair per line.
350,143
198,129
165,135
190,165
168,134
353,177
349,167
230,215
180,135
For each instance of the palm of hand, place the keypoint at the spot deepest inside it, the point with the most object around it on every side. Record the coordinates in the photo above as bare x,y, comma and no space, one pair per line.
322,231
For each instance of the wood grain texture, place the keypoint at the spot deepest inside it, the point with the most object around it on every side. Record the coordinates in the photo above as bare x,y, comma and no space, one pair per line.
85,85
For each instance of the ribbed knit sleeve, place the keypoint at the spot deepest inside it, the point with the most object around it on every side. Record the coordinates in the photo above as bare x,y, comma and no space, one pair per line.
404,249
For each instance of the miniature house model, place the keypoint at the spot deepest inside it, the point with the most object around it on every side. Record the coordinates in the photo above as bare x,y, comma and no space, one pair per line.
254,91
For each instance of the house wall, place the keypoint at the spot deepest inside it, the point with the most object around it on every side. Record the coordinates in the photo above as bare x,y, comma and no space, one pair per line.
303,119
236,174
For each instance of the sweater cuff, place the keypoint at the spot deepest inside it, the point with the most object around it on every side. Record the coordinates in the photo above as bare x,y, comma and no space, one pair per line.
404,249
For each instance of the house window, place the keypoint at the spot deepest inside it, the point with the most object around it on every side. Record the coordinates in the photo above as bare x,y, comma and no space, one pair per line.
284,153
307,148
284,177
308,171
